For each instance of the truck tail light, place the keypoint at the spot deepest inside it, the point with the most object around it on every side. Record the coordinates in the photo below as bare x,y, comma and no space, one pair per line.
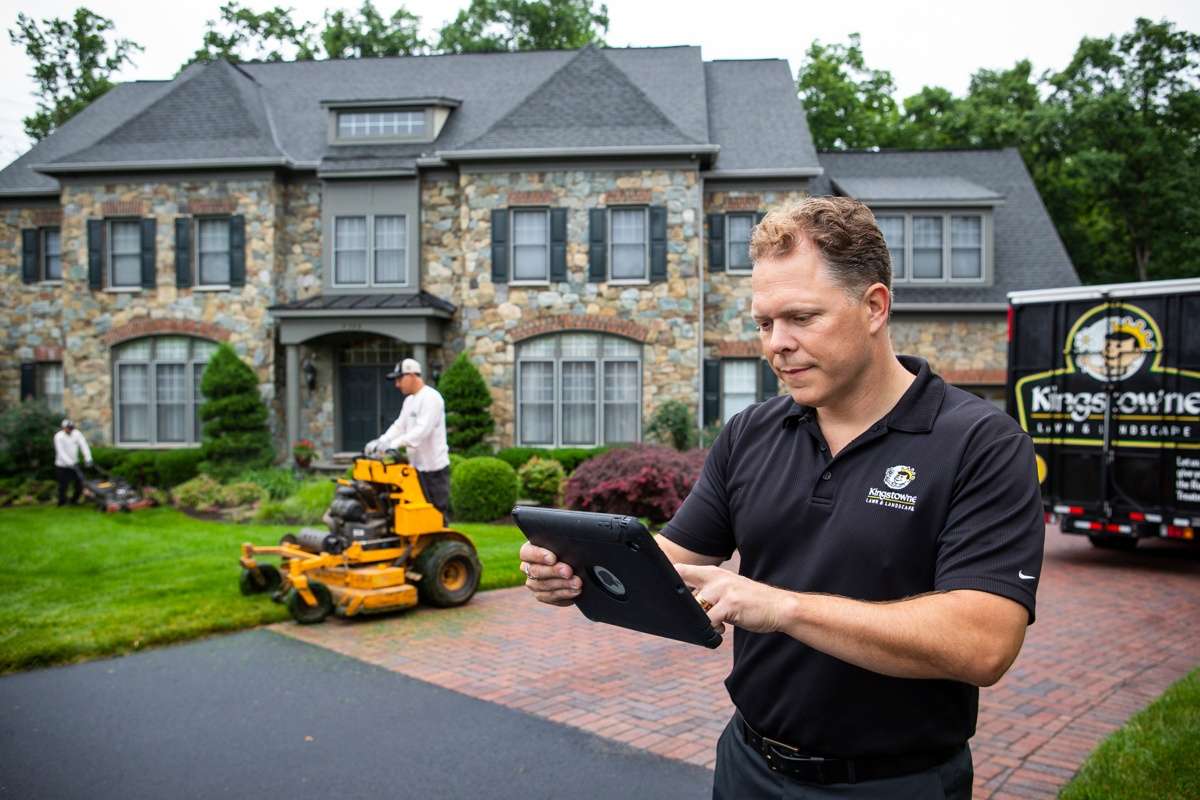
1178,532
1010,322
1137,516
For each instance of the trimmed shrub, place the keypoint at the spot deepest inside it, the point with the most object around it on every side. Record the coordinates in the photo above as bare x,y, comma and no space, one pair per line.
176,466
235,434
277,482
673,424
241,494
541,480
482,489
201,493
34,492
517,457
569,457
139,467
27,440
641,481
108,458
308,504
468,421
455,460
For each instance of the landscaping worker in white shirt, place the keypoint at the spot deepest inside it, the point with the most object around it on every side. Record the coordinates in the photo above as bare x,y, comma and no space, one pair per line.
68,445
421,431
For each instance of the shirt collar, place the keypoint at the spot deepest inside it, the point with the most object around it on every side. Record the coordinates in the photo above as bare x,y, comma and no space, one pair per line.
918,406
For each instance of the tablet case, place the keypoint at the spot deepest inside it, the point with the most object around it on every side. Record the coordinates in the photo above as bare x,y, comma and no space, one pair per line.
627,579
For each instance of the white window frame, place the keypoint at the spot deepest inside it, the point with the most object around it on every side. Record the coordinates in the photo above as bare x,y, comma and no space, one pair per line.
362,118
729,268
757,362
39,384
600,361
44,254
985,249
512,245
370,283
645,247
108,255
192,438
200,284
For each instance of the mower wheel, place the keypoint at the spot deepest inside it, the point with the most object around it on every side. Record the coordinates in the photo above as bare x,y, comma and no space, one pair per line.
305,614
449,572
264,578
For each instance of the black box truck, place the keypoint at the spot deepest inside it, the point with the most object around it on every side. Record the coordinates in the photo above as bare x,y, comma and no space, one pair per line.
1106,379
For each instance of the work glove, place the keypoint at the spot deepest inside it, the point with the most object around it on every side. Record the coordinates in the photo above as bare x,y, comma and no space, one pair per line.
89,464
371,447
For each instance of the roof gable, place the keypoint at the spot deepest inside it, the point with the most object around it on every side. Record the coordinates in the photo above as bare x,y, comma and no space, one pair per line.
588,102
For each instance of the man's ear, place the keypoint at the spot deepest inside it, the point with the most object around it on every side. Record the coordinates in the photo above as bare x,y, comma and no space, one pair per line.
878,301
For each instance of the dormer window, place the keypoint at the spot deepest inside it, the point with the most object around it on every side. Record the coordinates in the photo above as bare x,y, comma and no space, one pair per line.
376,124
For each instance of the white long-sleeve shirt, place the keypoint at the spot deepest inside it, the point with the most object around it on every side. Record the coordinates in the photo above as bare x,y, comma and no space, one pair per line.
68,446
421,430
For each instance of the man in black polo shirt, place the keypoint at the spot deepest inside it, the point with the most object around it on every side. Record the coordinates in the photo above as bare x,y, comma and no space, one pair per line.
890,532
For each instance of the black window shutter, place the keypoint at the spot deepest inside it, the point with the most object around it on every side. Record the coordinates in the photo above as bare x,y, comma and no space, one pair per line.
759,217
237,250
768,383
597,244
658,243
712,391
716,242
28,381
183,252
149,263
558,244
95,245
499,245
29,255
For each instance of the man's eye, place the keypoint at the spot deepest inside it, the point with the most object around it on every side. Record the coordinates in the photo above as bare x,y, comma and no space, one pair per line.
801,318
763,326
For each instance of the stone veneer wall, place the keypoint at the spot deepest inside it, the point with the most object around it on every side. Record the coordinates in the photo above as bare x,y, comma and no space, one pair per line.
727,297
969,350
93,321
31,314
456,263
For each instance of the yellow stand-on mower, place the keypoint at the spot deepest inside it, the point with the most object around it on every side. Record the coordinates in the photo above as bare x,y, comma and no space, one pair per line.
385,544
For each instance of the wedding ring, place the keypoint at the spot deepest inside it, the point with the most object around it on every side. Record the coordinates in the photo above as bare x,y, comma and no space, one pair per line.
704,604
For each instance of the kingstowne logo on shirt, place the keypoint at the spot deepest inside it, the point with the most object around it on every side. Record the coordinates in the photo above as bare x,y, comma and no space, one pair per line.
896,477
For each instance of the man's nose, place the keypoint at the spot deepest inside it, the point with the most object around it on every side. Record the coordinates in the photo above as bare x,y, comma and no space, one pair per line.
780,340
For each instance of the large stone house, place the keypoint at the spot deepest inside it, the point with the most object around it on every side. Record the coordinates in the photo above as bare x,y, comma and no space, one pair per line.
576,222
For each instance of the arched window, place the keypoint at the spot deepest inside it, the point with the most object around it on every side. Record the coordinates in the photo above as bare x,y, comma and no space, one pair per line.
578,389
156,389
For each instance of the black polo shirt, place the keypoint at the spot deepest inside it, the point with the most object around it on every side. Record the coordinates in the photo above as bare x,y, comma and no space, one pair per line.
940,494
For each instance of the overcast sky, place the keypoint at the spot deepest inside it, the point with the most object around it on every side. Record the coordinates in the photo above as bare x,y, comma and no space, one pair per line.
930,43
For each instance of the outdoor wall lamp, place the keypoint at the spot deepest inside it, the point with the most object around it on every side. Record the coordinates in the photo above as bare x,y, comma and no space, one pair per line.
310,375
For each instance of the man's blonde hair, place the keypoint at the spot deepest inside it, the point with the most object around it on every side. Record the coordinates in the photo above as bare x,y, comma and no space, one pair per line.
842,229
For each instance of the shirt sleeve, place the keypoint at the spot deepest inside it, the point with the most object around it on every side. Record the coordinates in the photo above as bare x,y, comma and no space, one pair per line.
995,532
427,415
392,434
83,447
703,523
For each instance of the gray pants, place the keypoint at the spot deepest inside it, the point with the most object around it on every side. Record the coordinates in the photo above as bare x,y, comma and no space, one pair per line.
743,773
436,486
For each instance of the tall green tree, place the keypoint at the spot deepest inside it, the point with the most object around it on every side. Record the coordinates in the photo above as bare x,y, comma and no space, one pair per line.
468,420
1129,141
73,61
241,34
368,33
235,435
489,26
849,105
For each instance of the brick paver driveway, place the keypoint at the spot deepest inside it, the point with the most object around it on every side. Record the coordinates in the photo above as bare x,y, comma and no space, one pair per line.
1114,630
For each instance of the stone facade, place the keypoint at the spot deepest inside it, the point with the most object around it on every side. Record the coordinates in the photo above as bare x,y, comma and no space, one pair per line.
457,266
967,350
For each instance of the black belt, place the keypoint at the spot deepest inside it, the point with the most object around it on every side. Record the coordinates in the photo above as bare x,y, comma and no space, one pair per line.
815,769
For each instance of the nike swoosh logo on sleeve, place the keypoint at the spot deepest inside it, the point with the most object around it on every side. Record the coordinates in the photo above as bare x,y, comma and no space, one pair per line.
1021,574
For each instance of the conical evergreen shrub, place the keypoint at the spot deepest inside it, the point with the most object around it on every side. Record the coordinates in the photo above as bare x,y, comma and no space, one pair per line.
468,420
235,435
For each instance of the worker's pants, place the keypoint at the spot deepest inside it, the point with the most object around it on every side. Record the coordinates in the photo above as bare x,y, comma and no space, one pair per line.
436,486
65,476
742,772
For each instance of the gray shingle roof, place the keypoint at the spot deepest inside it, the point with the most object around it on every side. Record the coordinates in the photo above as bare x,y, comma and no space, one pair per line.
94,122
213,112
922,189
589,102
1028,252
754,114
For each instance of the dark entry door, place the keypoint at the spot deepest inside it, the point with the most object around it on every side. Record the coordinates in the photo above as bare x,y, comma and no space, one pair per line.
370,404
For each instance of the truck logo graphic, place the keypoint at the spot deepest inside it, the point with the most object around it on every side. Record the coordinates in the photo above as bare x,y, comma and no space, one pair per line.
1113,376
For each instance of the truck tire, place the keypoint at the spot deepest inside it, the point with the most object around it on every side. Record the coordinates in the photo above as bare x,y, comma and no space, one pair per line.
1113,542
450,573
305,614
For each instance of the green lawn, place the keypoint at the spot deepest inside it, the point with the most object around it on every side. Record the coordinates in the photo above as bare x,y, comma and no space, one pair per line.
1153,757
76,584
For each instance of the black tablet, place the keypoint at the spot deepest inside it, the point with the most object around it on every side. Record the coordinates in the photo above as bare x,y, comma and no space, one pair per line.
627,579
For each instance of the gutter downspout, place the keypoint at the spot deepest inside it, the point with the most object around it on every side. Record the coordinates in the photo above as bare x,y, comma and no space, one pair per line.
702,268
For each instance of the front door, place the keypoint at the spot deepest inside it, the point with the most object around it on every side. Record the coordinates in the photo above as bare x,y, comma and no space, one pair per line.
369,402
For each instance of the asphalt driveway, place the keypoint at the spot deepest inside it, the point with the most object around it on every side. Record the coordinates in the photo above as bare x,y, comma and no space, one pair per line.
257,714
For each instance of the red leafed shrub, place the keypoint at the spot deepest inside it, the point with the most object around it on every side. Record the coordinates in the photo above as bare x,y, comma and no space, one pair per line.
641,481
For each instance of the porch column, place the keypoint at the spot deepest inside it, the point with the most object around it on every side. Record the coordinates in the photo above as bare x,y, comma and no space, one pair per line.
419,353
292,411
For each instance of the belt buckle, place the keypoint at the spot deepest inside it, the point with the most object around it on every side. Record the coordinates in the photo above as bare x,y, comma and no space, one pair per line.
781,757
